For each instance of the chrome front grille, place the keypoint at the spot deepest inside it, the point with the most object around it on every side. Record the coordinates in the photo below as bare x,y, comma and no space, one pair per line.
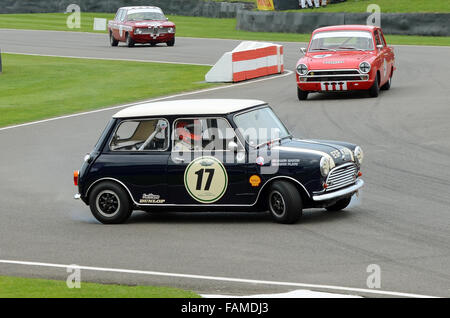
342,176
334,75
154,31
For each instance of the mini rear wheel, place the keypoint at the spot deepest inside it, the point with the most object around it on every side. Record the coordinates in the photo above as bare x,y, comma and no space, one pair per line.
339,205
112,40
387,86
285,202
110,203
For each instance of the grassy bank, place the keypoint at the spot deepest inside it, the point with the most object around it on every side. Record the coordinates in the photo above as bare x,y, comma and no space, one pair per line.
388,6
16,287
188,27
36,87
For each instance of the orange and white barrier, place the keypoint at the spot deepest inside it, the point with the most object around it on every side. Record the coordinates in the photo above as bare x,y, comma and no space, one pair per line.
248,60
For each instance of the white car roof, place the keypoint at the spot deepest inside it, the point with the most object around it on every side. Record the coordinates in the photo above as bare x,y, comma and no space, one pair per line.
188,107
142,8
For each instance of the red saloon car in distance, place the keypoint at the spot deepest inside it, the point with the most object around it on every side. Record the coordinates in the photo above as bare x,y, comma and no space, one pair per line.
141,25
345,58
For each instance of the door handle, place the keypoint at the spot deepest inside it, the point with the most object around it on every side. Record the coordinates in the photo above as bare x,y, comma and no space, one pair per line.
178,159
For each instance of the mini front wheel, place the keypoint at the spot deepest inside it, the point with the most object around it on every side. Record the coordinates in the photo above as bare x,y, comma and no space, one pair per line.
374,91
109,203
171,42
302,95
285,202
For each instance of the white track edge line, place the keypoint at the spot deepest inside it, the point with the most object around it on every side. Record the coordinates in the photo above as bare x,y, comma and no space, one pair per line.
216,278
106,58
286,73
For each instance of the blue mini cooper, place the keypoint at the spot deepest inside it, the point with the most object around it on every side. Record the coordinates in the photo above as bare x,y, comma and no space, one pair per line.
213,155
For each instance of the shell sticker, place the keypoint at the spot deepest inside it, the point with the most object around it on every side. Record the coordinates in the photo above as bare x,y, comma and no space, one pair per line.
255,180
206,179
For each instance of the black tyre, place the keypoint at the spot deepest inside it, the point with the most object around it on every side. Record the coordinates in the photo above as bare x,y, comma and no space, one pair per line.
129,41
110,203
171,42
302,95
340,205
374,91
285,202
387,86
112,40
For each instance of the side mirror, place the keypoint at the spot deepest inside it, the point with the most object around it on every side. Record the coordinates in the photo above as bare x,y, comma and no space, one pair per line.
232,146
303,50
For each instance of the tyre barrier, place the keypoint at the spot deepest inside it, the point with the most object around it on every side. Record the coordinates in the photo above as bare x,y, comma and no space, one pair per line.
247,61
426,24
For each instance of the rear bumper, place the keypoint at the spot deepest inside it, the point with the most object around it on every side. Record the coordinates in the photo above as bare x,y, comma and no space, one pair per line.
339,193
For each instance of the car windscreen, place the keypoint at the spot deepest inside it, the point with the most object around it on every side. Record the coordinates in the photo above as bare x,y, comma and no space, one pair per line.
145,15
260,126
341,40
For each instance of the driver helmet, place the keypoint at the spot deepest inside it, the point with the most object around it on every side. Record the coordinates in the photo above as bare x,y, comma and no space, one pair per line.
186,131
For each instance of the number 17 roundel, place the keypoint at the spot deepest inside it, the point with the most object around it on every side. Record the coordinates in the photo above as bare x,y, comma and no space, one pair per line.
206,179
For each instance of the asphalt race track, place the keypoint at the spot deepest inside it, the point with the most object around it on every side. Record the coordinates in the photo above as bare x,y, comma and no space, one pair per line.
401,221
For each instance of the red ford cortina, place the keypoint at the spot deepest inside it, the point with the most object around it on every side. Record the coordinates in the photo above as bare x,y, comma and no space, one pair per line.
345,58
141,25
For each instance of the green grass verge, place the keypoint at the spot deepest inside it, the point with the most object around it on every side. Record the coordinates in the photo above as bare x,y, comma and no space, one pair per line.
390,6
188,27
36,87
16,287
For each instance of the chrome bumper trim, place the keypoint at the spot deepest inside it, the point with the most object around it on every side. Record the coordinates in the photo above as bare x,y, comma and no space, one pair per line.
77,196
328,196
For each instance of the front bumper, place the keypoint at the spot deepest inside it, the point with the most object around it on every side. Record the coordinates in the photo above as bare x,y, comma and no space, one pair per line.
148,38
339,193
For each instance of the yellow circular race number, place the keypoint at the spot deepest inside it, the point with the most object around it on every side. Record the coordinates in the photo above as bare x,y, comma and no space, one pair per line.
206,179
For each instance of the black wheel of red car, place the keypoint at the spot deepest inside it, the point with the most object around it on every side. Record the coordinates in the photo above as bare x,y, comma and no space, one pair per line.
339,205
129,41
171,42
374,91
112,40
285,202
387,85
302,95
110,203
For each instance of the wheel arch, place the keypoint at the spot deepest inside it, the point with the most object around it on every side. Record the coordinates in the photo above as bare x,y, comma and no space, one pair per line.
112,180
304,194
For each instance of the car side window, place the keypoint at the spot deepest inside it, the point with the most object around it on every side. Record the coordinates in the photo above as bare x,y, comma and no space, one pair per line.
117,17
141,135
124,15
377,38
383,42
203,134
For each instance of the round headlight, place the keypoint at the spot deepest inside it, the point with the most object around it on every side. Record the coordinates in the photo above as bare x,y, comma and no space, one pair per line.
170,30
359,154
364,67
326,164
302,69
